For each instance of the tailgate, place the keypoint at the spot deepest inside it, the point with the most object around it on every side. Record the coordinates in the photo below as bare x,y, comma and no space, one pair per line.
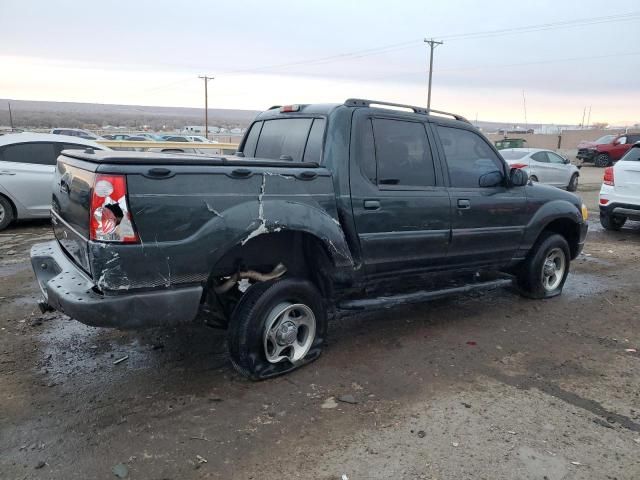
70,209
627,181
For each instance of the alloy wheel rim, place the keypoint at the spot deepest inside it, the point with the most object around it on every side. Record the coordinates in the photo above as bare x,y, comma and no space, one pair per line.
289,332
2,213
553,269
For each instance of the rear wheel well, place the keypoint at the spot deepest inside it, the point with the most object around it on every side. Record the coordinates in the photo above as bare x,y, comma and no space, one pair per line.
304,255
14,210
569,229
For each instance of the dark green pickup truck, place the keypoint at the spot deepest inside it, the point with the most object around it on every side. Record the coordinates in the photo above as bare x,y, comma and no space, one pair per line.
324,210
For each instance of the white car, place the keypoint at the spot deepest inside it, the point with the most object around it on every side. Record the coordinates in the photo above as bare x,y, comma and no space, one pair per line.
27,165
620,191
543,166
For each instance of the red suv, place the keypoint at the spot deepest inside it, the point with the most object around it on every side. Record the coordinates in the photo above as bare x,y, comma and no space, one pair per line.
606,150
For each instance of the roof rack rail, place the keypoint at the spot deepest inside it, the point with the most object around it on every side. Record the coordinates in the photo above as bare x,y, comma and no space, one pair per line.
454,115
359,102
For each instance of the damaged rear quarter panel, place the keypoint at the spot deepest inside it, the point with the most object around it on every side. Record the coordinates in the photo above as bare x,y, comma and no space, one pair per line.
186,223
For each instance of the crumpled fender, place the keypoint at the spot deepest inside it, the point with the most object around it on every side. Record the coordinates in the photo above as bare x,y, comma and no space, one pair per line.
547,213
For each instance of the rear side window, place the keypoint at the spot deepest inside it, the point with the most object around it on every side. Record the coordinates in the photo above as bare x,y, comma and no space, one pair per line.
283,139
250,143
34,153
468,156
540,157
403,155
313,149
632,155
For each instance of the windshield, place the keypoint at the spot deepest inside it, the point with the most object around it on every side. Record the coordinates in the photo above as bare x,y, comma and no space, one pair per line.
605,139
513,154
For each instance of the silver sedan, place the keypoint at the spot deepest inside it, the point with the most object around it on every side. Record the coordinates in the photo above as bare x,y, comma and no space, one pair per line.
544,166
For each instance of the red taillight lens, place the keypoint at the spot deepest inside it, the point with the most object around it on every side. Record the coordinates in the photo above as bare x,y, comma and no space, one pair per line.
604,201
608,176
110,216
519,165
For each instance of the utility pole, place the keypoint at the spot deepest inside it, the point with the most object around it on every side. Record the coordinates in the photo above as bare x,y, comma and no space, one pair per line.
432,45
584,111
589,117
206,105
524,104
10,116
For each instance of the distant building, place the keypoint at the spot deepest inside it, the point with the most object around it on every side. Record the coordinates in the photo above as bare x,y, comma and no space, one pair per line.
199,129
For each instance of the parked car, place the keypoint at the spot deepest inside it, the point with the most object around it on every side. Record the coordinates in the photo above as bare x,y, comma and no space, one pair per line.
117,136
620,191
606,150
510,143
199,139
76,132
544,166
27,164
329,209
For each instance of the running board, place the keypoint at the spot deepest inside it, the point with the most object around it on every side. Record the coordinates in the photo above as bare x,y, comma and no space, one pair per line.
421,296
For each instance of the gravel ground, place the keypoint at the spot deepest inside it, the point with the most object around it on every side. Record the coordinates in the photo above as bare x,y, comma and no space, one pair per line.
487,386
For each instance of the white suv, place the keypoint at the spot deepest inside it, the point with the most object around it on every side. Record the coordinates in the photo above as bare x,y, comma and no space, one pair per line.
620,192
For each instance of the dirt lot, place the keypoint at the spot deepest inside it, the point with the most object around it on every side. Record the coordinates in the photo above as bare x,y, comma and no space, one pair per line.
486,386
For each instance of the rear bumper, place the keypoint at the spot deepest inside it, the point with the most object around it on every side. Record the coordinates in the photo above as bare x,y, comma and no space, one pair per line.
69,290
627,210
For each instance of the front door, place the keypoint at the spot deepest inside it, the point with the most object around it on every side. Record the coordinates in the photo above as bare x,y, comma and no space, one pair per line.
400,204
487,223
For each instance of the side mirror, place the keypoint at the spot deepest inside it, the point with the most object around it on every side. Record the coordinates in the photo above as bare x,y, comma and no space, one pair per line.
491,179
567,161
519,177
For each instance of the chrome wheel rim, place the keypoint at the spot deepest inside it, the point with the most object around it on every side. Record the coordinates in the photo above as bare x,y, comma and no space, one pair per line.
553,269
1,213
289,332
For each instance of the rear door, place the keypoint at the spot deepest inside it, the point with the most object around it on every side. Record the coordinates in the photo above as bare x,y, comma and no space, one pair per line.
487,223
540,167
26,173
400,204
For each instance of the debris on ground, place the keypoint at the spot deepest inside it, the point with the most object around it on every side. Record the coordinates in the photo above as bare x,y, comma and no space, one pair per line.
40,464
329,403
631,350
201,459
347,399
120,360
421,433
120,470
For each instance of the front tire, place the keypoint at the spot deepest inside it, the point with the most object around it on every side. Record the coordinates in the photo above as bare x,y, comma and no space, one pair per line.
611,223
573,183
546,268
602,160
277,326
6,213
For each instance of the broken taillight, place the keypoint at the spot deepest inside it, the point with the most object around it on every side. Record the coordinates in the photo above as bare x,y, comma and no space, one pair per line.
110,216
608,176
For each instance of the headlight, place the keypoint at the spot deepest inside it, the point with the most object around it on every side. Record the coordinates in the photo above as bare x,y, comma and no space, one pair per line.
585,212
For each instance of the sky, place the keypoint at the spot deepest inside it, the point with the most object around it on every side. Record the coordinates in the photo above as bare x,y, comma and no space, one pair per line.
558,57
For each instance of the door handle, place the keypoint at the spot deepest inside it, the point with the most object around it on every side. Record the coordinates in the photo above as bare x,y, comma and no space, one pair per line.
371,205
464,204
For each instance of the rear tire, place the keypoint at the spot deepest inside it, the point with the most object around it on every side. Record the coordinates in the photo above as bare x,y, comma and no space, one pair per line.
6,213
611,223
277,326
546,268
573,183
602,160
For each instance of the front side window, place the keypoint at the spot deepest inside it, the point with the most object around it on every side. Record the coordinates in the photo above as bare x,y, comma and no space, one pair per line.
35,153
553,158
403,155
622,140
468,157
